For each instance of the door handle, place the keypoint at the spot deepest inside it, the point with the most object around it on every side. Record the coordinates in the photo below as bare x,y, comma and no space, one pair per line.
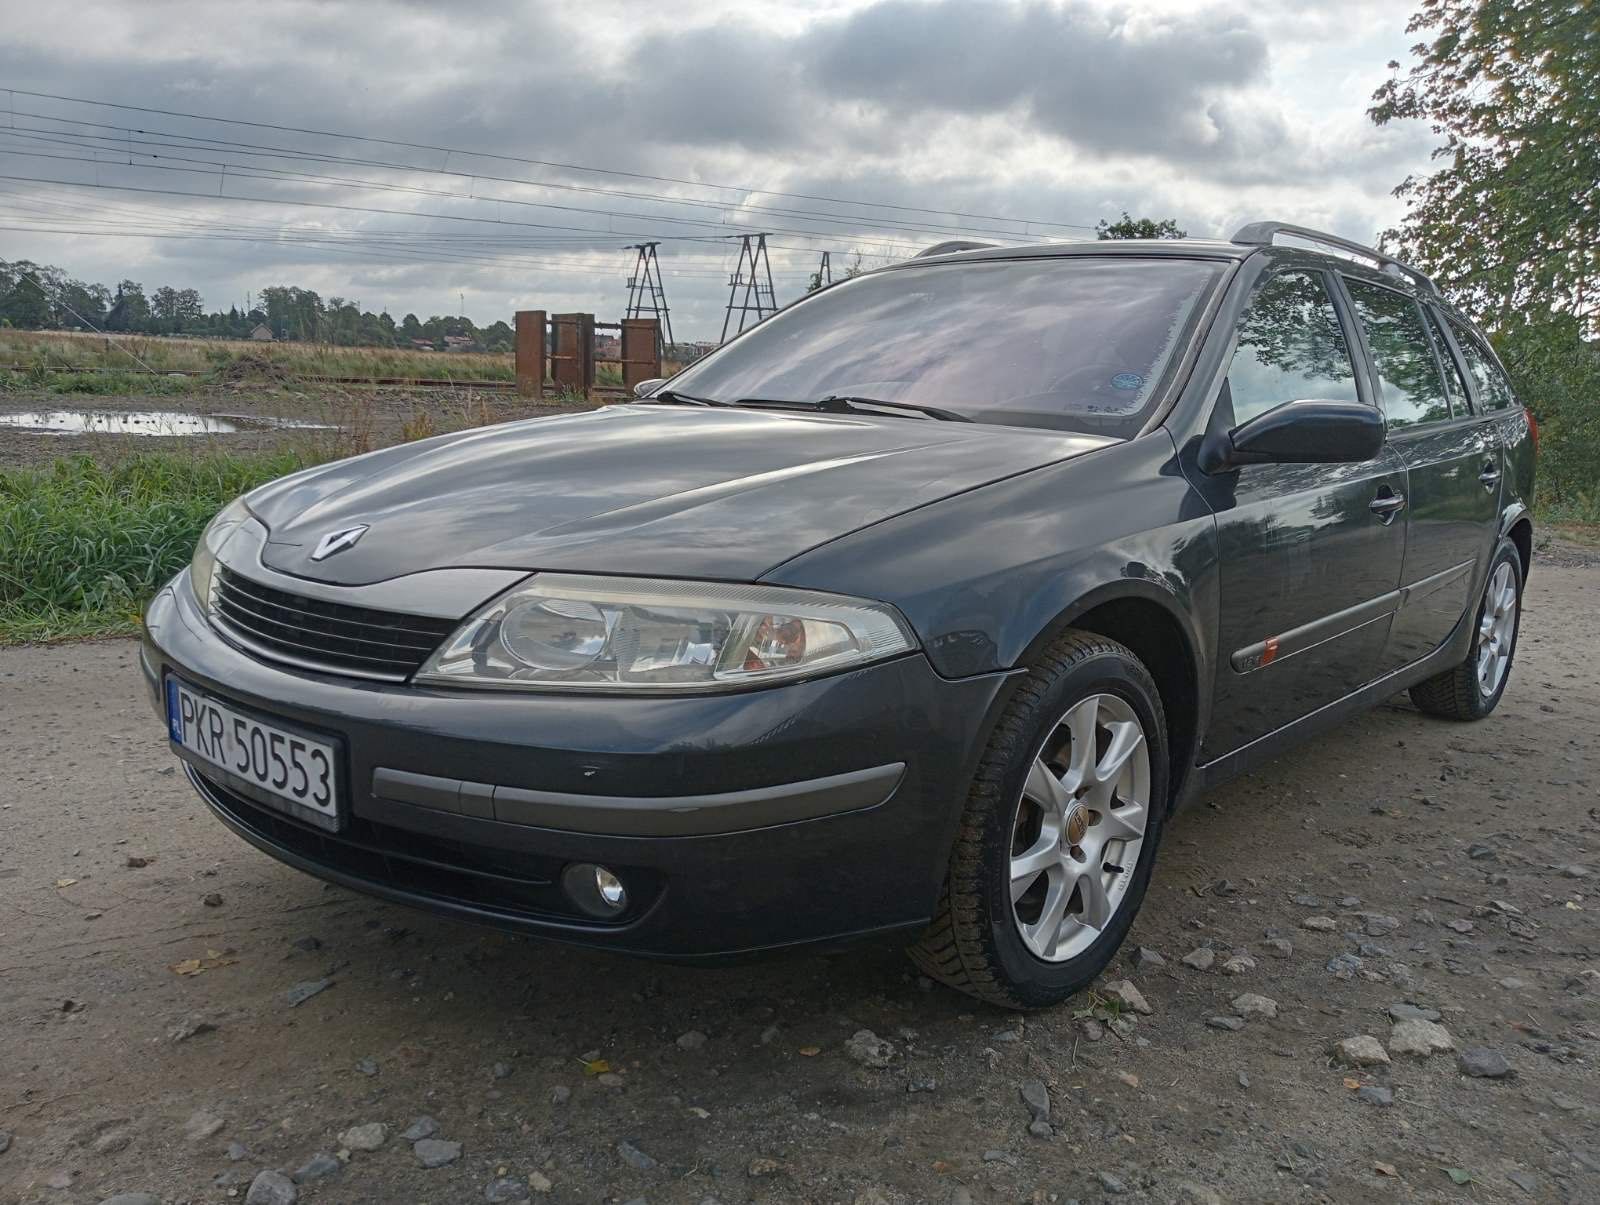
1387,505
1490,475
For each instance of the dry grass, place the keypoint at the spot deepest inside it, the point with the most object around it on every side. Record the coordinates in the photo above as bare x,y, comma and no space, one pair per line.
55,351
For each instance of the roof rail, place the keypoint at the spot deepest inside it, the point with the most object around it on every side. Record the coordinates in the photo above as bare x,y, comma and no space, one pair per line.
952,245
1261,234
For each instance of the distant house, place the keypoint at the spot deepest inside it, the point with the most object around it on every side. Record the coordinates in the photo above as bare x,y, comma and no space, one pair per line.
261,333
458,342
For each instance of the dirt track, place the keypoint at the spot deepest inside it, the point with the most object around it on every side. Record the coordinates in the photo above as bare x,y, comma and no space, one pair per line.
1481,842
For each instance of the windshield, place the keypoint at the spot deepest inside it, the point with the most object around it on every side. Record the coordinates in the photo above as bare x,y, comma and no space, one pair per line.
1074,343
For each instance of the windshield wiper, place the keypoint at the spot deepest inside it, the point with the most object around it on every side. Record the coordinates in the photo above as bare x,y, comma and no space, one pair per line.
843,403
847,403
673,397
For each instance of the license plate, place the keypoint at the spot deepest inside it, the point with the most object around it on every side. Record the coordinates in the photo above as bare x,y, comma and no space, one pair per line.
288,765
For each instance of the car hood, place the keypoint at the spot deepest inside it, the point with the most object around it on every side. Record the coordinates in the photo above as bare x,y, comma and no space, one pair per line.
637,489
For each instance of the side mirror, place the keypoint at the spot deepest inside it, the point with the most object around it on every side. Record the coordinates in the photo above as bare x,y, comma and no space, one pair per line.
1303,432
646,388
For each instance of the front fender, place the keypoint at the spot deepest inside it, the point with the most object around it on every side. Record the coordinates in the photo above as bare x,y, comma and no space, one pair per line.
987,575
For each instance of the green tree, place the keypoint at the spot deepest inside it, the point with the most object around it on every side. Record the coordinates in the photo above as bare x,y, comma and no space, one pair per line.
1510,220
130,309
1132,227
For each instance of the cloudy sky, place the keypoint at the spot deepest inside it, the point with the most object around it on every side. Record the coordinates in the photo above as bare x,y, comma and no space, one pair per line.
496,156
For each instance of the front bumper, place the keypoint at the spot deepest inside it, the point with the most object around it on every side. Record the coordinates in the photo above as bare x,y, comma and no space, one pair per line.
808,812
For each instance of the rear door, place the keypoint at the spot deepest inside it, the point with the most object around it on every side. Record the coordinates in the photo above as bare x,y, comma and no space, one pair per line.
1452,459
1309,555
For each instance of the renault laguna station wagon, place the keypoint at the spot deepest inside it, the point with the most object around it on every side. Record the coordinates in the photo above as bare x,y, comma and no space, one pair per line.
914,610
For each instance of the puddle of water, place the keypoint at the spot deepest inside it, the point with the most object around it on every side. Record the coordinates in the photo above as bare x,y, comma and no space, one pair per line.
145,422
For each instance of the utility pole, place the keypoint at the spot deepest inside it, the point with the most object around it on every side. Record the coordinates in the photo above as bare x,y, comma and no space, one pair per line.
825,270
758,298
647,293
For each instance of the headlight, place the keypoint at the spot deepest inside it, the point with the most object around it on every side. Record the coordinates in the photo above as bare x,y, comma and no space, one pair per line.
571,632
203,568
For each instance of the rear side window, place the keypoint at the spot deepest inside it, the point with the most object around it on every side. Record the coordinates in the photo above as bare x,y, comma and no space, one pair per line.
1412,389
1494,391
1454,386
1290,347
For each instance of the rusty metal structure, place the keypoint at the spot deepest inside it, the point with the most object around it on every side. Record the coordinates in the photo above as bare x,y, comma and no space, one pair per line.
754,275
564,347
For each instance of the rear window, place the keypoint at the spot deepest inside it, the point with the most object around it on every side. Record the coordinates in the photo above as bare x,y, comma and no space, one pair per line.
1070,342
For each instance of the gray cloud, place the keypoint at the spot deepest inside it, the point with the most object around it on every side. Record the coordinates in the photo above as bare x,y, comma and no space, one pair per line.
1069,111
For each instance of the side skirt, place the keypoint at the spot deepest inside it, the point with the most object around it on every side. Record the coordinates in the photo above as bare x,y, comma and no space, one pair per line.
1265,748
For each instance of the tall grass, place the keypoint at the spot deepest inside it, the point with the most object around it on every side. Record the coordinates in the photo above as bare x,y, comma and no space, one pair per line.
54,351
83,545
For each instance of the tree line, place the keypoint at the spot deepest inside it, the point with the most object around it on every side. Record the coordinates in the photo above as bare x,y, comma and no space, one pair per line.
37,296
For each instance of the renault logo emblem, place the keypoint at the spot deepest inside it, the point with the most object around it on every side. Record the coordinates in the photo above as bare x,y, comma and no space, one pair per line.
338,541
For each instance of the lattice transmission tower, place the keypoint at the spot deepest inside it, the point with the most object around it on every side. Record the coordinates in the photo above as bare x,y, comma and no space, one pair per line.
647,293
758,298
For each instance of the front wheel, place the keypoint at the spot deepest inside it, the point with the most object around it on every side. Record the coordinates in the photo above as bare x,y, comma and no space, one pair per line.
1470,690
1059,833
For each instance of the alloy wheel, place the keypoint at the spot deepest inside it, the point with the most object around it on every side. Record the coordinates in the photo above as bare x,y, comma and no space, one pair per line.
1497,629
1080,823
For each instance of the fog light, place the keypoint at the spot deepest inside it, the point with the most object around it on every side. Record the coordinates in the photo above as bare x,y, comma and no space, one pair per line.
595,889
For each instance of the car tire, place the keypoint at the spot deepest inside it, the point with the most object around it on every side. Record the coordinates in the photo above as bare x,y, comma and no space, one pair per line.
1470,690
984,939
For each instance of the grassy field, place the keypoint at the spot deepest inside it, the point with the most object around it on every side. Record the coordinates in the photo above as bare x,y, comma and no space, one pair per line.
51,354
83,546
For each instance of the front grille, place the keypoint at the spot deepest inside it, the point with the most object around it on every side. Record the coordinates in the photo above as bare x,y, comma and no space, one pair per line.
328,635
498,884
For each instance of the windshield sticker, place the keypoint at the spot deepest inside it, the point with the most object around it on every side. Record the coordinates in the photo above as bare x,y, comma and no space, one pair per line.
1127,380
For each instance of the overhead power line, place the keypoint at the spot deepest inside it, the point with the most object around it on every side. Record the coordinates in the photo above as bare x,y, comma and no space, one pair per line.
573,167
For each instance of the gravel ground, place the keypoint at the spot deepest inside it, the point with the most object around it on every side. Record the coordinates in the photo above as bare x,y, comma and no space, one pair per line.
184,1017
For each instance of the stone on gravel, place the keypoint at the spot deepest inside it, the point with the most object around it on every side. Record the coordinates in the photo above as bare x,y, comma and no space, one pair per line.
505,1190
1574,872
1376,1095
500,1071
1419,1039
202,1125
1319,924
271,1188
237,1151
1278,947
1523,1180
422,1127
1130,996
436,1152
367,1066
1232,1024
539,1182
1481,1062
1249,1004
1412,1012
692,1040
1238,965
1344,966
301,992
133,1198
1036,1096
5,1142
318,1167
1110,1183
635,1158
366,1137
1200,959
868,1049
1146,959
1363,1050
764,1169
1378,925
560,1095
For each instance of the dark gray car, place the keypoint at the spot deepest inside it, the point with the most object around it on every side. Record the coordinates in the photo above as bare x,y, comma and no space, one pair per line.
916,609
